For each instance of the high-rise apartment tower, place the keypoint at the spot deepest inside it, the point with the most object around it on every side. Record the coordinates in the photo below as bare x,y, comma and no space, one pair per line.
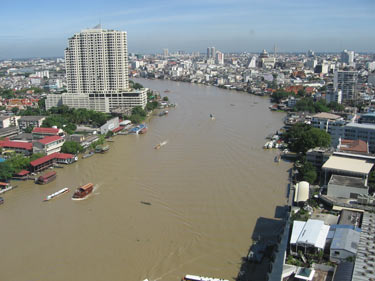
97,61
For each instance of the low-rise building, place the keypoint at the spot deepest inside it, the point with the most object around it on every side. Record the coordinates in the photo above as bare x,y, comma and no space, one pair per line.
30,121
318,156
346,187
48,145
365,132
103,102
301,192
40,132
309,237
346,166
344,244
331,123
18,147
5,121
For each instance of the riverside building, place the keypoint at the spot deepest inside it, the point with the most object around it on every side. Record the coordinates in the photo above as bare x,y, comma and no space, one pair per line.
96,63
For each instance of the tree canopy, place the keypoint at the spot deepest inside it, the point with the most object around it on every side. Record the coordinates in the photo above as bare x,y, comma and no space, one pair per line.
301,137
71,147
277,96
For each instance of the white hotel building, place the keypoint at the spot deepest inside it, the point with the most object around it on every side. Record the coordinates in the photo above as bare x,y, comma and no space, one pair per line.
97,73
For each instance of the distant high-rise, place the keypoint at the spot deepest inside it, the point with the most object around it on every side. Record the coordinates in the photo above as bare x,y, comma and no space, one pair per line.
347,57
97,61
219,59
346,81
165,53
310,53
211,52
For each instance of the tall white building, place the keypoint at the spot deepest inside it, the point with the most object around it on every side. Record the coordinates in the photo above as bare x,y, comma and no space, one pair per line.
97,73
346,81
219,59
97,61
347,57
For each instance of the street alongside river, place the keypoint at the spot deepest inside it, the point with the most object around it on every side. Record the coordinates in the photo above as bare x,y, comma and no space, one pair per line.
206,188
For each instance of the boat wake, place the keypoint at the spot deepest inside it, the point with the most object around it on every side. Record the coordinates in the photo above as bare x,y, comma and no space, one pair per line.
160,145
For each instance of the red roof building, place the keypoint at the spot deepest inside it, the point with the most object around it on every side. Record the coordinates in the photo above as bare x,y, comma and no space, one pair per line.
48,161
21,147
48,145
45,131
50,139
355,146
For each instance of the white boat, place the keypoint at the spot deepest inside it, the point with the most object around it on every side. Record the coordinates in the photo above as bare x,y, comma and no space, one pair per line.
189,277
57,193
4,187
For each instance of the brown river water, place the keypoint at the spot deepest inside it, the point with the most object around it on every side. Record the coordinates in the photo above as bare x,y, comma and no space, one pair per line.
207,187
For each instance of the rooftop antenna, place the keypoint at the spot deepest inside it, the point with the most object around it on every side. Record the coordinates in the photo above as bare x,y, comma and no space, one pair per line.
98,26
274,50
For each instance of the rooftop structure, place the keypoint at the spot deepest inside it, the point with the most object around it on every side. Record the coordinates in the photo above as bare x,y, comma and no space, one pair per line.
356,146
301,193
364,267
344,244
348,217
312,233
347,166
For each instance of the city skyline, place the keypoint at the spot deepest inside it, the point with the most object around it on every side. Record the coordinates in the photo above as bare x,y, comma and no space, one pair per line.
41,28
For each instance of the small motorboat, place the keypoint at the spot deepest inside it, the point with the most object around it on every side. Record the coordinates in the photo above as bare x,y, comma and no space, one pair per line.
87,155
158,146
1,200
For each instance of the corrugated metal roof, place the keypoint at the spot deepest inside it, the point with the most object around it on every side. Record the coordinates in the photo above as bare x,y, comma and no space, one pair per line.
350,165
344,271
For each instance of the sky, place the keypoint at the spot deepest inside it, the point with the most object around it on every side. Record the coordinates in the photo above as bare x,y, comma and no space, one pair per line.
41,28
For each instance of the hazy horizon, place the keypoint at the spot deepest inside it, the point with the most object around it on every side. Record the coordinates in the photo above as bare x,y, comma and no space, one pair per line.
42,28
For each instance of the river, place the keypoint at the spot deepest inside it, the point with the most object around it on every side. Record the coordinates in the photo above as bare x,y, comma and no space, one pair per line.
207,187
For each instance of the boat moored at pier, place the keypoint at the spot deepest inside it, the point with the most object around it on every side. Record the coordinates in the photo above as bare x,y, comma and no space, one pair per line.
46,178
101,148
4,187
82,191
137,129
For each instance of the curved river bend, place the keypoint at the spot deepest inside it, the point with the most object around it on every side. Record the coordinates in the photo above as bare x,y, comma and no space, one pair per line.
207,186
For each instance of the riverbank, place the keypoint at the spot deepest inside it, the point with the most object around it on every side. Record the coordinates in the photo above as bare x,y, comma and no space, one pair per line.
206,188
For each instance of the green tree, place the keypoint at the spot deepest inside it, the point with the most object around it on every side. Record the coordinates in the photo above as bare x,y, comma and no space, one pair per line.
29,129
71,147
15,110
138,110
277,96
301,137
42,103
136,118
165,98
307,172
151,105
109,134
6,171
335,106
301,93
36,156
